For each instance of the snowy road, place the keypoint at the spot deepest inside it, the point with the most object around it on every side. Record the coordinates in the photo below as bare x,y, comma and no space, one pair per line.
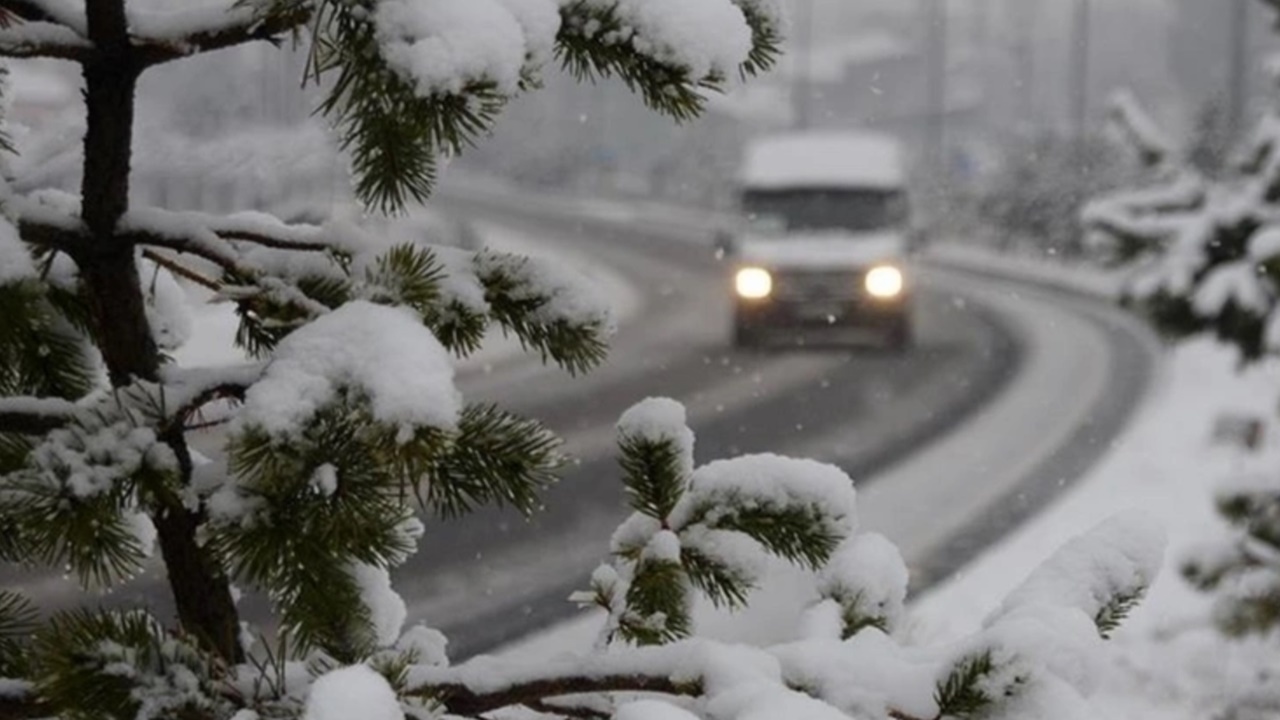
1002,372
1011,390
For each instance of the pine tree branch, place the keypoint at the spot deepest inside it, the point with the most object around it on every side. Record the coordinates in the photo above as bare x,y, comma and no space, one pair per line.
181,270
44,40
246,26
459,699
53,237
34,416
34,11
567,711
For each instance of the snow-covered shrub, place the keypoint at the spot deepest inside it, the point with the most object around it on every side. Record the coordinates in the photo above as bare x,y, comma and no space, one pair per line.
348,432
1034,197
1205,259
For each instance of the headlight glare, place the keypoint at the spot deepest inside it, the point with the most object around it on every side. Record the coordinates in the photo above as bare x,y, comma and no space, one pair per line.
753,283
884,282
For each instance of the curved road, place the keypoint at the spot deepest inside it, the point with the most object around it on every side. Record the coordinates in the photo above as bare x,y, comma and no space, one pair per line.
1010,391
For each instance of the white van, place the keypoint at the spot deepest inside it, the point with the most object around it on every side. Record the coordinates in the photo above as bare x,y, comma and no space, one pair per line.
825,233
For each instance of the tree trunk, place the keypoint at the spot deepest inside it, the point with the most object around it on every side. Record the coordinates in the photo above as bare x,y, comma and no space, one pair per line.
115,297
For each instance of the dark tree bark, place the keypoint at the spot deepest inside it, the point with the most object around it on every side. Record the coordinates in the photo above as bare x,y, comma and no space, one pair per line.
115,296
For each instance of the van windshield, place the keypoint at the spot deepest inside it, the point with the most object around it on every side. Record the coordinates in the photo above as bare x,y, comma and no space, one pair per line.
852,209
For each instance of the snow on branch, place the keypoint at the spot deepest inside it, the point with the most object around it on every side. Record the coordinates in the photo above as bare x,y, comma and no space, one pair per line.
167,36
60,12
43,39
34,416
1139,130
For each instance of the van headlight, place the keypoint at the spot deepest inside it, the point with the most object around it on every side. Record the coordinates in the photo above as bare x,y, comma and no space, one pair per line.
884,282
753,283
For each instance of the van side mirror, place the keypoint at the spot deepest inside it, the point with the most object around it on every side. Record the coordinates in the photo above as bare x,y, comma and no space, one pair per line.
725,243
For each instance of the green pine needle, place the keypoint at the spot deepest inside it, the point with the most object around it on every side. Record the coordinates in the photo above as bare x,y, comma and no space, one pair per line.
657,604
799,535
961,694
1110,616
725,586
653,474
496,458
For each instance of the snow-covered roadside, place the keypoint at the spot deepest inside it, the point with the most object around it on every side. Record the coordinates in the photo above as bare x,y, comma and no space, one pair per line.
1079,278
213,325
1166,662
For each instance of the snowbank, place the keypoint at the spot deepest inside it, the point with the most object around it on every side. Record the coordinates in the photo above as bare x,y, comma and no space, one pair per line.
1166,661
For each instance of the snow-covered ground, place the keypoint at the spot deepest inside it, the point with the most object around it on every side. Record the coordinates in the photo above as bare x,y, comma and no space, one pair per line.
1166,662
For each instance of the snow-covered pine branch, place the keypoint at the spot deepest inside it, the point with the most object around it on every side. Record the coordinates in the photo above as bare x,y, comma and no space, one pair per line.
1205,259
1201,250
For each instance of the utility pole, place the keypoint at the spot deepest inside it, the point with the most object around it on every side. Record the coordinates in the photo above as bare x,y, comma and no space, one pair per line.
1025,65
1238,82
802,83
936,84
1080,80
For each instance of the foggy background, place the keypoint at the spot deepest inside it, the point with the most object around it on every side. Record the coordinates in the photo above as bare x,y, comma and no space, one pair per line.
1002,103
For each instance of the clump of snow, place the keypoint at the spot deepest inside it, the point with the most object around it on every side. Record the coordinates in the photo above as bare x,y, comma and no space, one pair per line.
443,46
144,532
1120,557
660,420
387,610
325,479
352,692
429,645
705,37
768,481
385,353
563,294
1237,282
15,260
664,546
90,457
867,576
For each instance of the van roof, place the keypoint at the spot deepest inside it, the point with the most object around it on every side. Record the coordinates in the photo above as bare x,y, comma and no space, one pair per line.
823,159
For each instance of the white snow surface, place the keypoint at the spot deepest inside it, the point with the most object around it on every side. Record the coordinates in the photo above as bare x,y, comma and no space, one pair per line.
652,710
15,260
706,37
1167,661
1123,555
823,159
352,692
770,481
442,46
383,352
167,307
386,608
659,420
868,573
568,296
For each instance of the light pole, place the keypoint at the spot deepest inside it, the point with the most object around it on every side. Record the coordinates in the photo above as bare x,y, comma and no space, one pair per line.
936,83
1080,74
1238,82
802,89
1025,65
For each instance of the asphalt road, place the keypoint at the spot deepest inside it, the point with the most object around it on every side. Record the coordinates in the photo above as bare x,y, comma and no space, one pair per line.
493,576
